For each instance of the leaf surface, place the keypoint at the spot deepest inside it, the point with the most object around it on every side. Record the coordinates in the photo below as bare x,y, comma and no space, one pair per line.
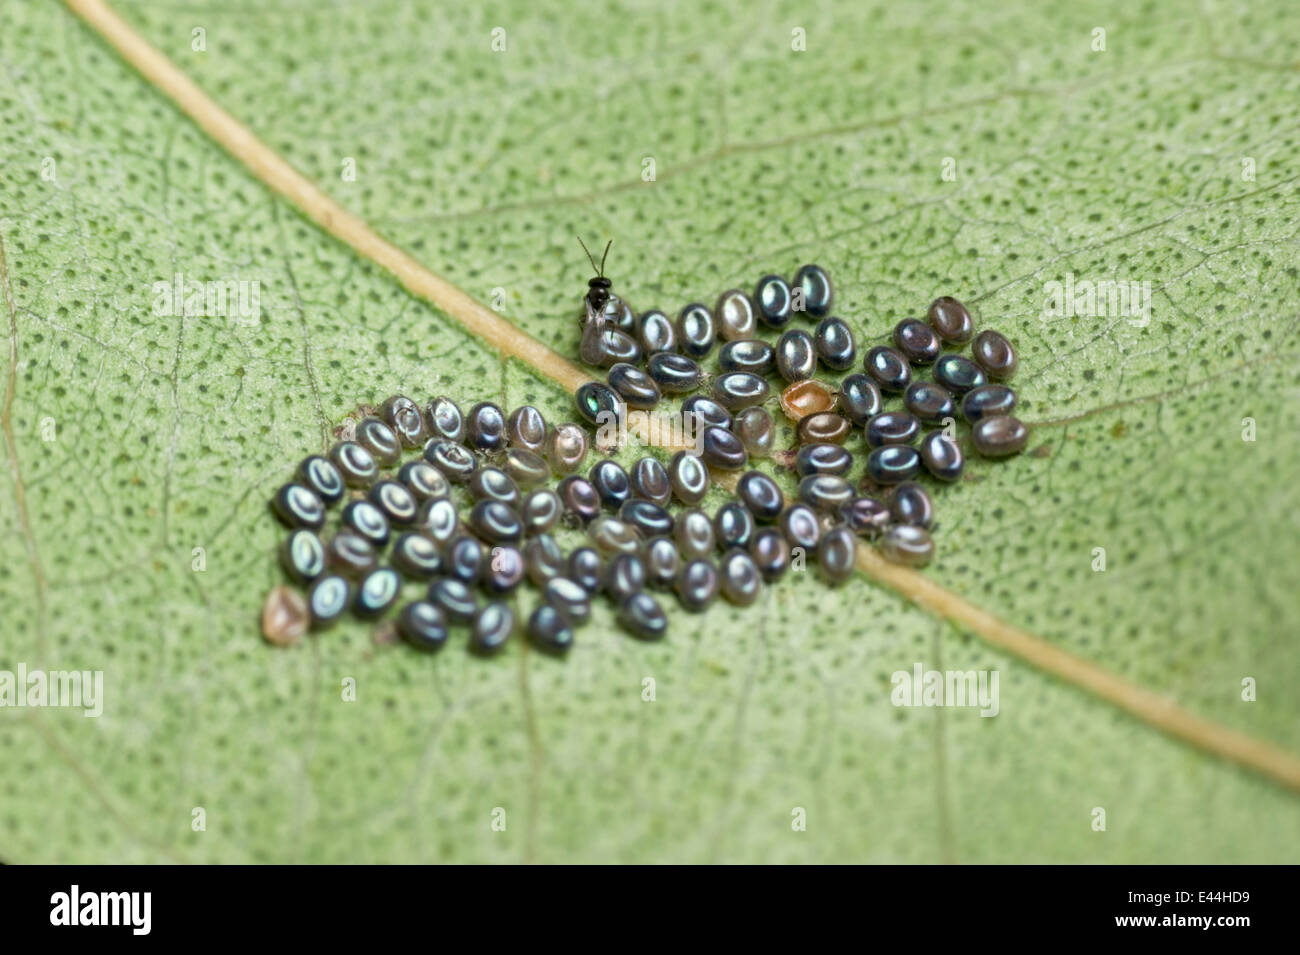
171,434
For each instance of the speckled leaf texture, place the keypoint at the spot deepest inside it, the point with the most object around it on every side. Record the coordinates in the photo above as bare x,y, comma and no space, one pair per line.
1169,158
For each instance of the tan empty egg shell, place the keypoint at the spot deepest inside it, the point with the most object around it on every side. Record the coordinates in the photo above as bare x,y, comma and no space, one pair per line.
806,397
284,616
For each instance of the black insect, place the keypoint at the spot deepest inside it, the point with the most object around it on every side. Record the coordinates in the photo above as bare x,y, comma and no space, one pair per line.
599,288
605,328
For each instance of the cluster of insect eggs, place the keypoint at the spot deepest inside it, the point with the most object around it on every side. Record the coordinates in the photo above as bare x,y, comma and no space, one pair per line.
501,462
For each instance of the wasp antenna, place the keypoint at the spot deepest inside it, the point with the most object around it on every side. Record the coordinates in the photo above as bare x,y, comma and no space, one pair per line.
589,258
602,257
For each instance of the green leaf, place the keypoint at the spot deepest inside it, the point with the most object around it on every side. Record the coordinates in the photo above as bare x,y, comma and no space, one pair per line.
133,438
